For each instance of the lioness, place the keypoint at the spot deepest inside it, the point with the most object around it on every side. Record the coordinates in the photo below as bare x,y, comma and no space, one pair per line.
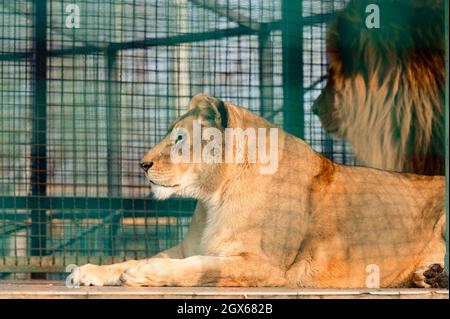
312,223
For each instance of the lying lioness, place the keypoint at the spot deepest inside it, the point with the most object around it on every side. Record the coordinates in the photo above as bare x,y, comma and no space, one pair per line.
311,223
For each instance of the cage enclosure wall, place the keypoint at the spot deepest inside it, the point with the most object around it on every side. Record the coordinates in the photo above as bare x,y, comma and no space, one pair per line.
87,87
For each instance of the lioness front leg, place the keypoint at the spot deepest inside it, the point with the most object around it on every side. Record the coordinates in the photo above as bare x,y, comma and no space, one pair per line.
109,275
203,271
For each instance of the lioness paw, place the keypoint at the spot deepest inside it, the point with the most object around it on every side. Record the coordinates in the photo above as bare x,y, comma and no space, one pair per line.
433,276
91,275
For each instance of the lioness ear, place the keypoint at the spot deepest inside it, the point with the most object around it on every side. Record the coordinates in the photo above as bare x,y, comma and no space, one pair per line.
210,109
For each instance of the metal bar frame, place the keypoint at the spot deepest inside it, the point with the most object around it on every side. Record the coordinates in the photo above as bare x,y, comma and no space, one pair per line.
38,240
292,51
265,47
447,92
39,202
164,41
224,11
93,203
70,241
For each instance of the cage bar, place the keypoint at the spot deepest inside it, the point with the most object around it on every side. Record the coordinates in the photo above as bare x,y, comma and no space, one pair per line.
103,94
292,12
39,130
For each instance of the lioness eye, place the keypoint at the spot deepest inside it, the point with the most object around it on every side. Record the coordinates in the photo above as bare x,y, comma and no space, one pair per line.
179,138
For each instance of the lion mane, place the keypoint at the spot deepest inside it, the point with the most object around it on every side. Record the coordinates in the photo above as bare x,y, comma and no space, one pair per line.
385,89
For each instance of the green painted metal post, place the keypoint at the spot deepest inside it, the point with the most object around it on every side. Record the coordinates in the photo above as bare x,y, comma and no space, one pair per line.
114,169
292,48
266,84
447,78
113,126
38,240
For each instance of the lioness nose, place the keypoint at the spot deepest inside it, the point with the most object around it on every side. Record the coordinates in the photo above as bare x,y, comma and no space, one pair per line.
146,166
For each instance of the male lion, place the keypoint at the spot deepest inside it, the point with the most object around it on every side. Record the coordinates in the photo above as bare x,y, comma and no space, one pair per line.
312,223
385,88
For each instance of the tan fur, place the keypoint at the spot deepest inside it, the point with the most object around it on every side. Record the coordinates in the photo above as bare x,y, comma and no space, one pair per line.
312,224
385,90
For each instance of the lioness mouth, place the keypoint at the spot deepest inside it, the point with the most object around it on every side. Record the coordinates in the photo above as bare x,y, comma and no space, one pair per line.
152,182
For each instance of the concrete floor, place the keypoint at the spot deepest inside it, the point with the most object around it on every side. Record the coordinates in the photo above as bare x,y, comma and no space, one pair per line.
57,290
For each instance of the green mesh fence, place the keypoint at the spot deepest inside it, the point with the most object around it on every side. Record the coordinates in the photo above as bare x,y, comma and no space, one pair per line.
86,87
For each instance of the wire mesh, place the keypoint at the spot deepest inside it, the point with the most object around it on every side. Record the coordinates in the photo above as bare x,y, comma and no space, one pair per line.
112,86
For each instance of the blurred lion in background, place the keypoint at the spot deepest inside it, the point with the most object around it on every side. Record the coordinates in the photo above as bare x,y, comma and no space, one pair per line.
385,91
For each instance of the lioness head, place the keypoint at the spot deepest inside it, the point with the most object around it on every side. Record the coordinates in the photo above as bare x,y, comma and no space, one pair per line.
185,178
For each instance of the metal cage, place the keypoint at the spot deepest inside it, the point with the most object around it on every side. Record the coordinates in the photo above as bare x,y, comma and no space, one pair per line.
86,87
